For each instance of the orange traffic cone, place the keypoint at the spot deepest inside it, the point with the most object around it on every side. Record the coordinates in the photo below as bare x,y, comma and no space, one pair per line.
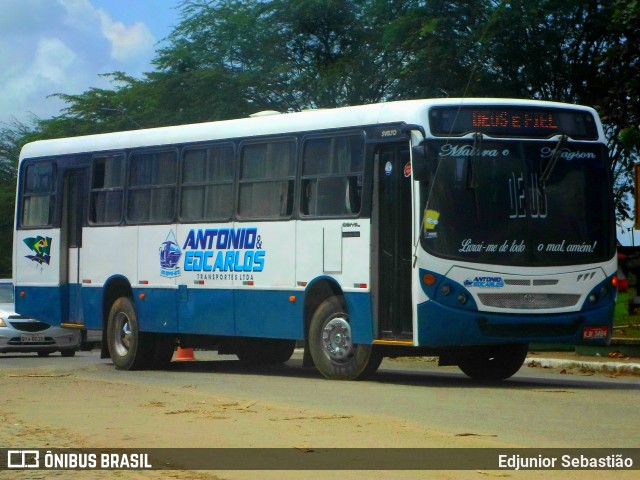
184,354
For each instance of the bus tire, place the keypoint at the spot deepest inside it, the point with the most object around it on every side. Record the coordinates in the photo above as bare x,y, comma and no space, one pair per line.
128,347
331,346
162,349
495,362
264,351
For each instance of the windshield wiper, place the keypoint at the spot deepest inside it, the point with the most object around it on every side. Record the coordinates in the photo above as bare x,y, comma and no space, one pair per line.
548,170
472,181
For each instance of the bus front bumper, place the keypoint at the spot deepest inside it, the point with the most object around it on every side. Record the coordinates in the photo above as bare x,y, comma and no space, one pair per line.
445,326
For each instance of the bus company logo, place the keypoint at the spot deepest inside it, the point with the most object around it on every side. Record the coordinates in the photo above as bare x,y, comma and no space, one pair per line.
170,254
41,248
224,250
484,282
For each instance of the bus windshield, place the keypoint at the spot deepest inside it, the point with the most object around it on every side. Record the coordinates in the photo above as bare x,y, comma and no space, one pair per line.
521,203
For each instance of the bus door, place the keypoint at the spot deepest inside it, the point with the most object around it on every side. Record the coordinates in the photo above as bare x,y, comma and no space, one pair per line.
72,219
392,217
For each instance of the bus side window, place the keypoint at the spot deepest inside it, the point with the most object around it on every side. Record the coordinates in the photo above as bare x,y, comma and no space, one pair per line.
152,187
39,195
107,189
332,176
207,184
267,179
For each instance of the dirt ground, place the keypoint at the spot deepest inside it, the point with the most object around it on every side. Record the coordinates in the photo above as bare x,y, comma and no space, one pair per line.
44,407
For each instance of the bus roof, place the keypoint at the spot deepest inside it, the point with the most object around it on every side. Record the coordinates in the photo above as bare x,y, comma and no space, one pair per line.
409,111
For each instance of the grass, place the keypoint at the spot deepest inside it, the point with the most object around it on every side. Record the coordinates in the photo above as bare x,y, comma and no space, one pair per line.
625,325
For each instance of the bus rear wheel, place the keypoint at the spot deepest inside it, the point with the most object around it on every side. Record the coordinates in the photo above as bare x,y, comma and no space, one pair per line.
161,349
264,351
492,363
332,348
128,347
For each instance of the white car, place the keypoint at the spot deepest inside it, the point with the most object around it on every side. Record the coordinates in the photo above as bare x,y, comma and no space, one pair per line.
21,334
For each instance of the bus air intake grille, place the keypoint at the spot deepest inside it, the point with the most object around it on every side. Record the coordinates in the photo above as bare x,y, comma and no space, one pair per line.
528,301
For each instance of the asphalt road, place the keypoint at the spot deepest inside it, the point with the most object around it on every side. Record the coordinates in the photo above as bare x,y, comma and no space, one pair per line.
215,402
537,407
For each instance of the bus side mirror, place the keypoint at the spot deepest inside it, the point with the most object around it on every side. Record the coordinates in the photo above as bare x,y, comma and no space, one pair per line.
419,162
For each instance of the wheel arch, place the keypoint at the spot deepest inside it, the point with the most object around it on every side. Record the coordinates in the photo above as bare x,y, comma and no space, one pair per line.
318,290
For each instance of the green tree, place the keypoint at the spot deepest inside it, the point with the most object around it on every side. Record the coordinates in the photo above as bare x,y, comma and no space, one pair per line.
12,137
229,58
291,56
620,102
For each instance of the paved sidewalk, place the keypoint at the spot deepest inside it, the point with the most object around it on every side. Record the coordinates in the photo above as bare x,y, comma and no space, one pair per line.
570,360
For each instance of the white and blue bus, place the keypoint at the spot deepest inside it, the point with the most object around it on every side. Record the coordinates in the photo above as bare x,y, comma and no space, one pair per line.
459,228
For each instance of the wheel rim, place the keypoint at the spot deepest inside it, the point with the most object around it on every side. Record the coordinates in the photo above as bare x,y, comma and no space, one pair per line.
336,340
123,335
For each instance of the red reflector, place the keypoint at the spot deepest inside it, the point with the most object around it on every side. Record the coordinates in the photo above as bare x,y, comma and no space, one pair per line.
198,282
86,281
614,281
429,279
593,333
360,285
144,282
250,283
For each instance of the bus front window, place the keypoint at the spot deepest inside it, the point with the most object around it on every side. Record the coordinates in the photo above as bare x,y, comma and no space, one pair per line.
485,202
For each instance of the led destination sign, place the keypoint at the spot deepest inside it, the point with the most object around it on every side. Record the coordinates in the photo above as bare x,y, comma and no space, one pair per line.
501,121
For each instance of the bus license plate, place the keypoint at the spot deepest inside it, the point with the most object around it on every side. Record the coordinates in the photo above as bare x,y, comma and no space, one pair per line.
592,333
32,338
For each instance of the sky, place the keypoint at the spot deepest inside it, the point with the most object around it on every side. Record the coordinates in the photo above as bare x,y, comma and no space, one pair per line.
62,46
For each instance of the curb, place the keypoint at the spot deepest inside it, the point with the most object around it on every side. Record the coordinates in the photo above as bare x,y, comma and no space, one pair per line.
627,347
604,367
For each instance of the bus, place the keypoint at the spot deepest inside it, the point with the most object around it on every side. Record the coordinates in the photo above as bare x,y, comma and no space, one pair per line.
458,228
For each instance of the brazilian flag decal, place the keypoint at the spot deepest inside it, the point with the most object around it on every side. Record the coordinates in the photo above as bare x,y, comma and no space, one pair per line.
41,248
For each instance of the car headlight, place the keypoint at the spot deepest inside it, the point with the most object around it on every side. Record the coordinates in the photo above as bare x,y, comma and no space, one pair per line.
2,324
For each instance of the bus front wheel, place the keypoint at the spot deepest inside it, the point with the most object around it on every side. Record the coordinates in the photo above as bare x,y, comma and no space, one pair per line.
332,348
495,362
128,347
